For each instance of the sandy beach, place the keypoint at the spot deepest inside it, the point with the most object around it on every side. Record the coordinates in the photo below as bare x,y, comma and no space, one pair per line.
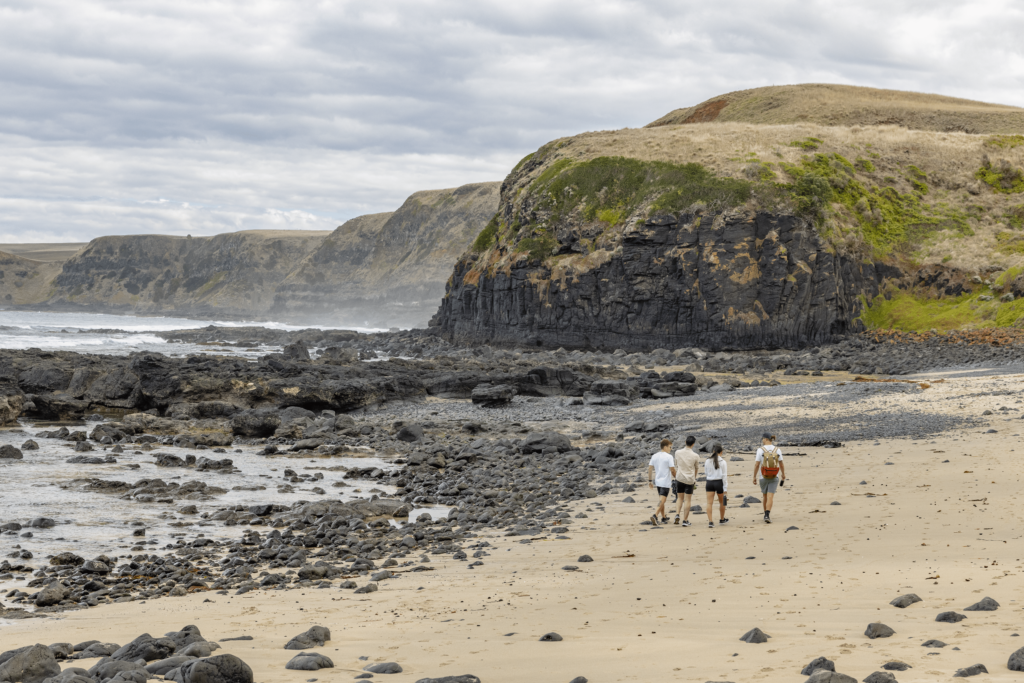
938,517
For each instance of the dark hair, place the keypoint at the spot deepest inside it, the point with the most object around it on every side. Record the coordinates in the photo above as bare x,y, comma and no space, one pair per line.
690,440
714,453
666,442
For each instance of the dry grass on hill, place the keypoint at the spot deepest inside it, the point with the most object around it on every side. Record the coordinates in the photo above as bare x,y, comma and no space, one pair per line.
847,105
882,156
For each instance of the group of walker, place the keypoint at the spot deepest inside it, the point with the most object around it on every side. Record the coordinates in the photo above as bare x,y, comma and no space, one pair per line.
677,473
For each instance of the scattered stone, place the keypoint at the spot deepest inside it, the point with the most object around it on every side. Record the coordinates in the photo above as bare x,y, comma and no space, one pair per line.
585,558
933,644
818,663
905,601
972,670
384,668
218,669
316,636
550,638
823,676
1016,661
878,630
465,678
493,396
950,617
32,664
983,605
880,677
8,452
896,666
755,635
309,661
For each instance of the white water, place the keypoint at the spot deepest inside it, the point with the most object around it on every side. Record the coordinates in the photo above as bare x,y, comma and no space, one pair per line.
89,333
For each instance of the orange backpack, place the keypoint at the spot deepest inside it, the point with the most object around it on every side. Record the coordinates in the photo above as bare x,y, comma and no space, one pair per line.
770,462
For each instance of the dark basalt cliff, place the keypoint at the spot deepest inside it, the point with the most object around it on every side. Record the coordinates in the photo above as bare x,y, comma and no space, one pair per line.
735,280
389,267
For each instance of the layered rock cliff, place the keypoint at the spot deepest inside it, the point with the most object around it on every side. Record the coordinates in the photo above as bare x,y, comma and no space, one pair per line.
229,275
736,280
390,266
24,280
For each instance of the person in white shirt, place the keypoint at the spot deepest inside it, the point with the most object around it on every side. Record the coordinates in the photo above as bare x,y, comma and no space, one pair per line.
716,472
769,467
660,473
686,478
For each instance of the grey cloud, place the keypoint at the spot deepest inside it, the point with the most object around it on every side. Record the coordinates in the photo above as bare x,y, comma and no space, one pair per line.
243,114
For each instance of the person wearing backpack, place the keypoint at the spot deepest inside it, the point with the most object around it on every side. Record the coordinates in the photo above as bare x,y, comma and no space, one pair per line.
772,471
716,474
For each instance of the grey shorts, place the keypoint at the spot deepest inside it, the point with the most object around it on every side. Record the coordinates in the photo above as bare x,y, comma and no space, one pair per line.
769,485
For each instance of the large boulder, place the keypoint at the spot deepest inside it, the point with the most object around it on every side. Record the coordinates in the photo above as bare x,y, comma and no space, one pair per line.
316,636
878,630
410,433
108,667
258,423
823,676
218,669
493,395
983,605
9,452
32,664
309,661
11,406
162,666
905,600
1016,661
537,442
51,595
146,647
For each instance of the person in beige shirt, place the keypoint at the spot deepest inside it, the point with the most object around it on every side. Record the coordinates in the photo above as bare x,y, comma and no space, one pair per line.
686,479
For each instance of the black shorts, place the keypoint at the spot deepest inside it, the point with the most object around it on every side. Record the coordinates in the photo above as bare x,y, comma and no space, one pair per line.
680,487
663,491
714,485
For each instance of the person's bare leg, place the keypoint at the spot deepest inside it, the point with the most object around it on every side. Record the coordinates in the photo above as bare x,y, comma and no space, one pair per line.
660,512
711,501
768,498
686,510
721,506
679,504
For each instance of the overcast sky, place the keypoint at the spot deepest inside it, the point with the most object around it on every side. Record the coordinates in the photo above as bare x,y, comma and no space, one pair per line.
182,116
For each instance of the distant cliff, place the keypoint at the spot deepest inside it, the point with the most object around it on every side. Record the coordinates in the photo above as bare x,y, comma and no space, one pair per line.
231,275
388,267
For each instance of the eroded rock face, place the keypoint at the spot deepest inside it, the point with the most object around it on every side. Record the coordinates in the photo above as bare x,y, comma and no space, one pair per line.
733,280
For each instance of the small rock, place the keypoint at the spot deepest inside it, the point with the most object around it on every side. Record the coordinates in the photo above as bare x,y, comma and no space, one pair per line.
878,630
384,668
973,670
984,605
755,635
316,636
585,558
823,676
309,661
550,638
905,601
934,644
1016,661
818,663
950,617
880,677
896,666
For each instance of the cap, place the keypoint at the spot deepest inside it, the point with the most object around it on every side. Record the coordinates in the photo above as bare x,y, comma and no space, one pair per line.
766,435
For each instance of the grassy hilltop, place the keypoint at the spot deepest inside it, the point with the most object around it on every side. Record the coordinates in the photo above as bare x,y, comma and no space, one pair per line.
914,180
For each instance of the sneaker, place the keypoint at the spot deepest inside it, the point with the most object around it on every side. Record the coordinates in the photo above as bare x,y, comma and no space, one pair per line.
723,521
767,519
677,520
711,525
685,522
654,520
664,520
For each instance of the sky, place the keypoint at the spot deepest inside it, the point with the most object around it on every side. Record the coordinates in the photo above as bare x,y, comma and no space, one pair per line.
201,117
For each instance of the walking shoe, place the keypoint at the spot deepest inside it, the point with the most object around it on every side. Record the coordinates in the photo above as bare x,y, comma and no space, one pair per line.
664,520
677,520
723,521
711,525
654,520
767,519
685,522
